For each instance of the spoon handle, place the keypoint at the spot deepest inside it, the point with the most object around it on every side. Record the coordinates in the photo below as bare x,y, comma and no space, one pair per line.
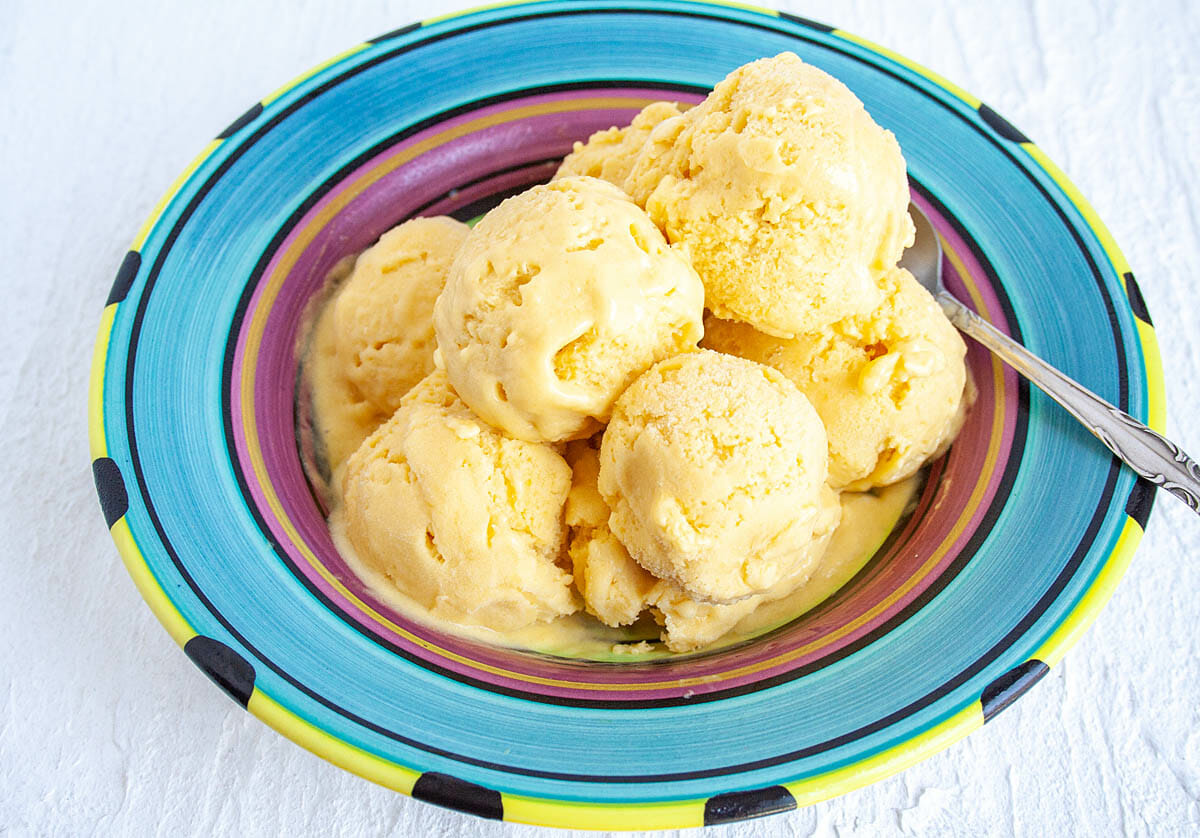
1151,455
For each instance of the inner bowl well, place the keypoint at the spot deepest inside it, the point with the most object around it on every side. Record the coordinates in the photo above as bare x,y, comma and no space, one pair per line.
461,166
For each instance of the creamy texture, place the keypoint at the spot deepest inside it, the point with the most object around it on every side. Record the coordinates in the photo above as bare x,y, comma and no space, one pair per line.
383,314
336,417
465,521
690,624
783,192
610,154
867,519
616,589
714,468
888,385
558,298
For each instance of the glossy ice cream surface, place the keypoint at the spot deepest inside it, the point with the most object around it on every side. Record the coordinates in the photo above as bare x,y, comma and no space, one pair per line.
383,315
556,301
463,520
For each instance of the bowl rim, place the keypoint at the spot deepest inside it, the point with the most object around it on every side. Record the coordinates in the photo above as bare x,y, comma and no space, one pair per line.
228,670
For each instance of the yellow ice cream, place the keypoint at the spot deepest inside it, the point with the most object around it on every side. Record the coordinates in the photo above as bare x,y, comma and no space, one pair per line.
784,193
713,467
341,417
609,155
689,624
383,315
888,384
558,299
464,520
616,589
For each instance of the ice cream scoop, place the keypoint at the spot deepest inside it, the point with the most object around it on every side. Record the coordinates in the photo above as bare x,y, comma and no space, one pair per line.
464,520
383,314
714,468
616,589
610,154
784,193
557,300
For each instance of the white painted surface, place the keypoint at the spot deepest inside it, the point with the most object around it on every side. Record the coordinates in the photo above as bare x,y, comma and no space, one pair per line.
106,728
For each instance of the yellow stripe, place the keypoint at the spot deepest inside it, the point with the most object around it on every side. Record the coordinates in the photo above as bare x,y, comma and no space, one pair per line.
519,809
1085,209
912,65
148,586
135,564
824,786
308,75
624,816
1155,393
97,440
1082,616
354,760
743,6
140,239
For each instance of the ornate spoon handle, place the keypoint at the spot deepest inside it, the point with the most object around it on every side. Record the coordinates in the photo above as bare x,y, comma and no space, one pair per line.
1149,454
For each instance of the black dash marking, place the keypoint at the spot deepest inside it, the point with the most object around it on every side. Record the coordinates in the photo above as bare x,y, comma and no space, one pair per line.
1001,125
110,486
453,793
242,121
803,21
1141,501
125,274
1136,301
395,33
227,669
743,805
1010,686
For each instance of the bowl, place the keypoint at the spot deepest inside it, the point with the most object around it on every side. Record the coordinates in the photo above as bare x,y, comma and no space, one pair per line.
1018,538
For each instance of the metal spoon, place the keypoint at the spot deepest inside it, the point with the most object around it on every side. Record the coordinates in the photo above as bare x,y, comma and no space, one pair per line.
1150,455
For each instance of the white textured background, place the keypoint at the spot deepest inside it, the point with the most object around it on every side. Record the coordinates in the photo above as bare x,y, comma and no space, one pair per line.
106,728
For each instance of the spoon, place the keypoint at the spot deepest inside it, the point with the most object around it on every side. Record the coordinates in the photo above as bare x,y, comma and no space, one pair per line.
1151,455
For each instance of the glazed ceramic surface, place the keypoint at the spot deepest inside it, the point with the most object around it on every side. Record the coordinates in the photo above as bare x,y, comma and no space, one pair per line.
1019,537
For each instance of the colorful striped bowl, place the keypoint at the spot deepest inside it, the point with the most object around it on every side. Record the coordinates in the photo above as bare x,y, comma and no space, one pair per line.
192,412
